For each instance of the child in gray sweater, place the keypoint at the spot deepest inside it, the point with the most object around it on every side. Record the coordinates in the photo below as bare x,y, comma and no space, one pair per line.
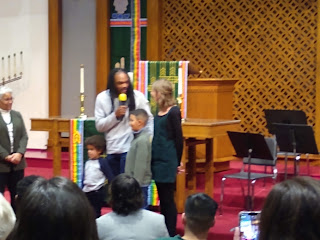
138,161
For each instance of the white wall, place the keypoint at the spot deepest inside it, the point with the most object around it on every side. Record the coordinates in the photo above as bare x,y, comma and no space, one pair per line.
78,47
24,27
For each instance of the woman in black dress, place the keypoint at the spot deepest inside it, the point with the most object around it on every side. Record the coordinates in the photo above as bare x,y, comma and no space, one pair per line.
167,147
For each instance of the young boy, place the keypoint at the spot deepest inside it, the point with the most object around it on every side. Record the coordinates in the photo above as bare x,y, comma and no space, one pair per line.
138,162
96,173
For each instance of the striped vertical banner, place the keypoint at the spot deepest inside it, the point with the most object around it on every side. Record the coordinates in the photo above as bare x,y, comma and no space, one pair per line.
135,41
183,86
76,151
143,78
153,198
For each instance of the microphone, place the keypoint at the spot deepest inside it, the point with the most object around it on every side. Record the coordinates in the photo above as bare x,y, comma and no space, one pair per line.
123,101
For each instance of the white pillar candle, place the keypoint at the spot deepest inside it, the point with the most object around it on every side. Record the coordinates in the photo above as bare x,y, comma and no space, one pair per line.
21,63
81,78
9,67
3,69
14,65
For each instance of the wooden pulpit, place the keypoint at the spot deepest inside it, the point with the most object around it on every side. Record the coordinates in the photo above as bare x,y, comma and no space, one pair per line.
212,98
209,117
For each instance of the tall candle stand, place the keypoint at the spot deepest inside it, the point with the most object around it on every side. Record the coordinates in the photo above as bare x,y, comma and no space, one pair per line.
82,115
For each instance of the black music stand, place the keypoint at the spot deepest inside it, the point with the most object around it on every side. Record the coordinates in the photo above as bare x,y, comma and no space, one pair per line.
250,145
284,116
296,138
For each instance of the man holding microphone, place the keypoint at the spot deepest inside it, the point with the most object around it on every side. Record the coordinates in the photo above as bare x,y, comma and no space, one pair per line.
112,116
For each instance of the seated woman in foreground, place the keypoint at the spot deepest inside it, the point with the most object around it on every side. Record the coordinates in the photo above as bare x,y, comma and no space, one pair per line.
128,220
54,209
291,211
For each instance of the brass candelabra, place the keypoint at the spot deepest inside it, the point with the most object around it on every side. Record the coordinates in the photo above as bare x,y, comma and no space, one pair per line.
82,114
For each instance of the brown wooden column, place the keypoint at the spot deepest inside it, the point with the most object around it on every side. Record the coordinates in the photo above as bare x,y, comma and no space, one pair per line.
154,33
55,56
102,44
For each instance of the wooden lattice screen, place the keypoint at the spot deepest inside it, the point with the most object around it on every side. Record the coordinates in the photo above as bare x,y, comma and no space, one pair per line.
269,45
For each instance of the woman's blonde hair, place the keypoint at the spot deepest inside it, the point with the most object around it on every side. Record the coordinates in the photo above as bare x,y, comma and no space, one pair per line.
165,90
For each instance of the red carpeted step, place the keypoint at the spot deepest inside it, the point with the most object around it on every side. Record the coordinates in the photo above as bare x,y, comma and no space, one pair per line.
44,158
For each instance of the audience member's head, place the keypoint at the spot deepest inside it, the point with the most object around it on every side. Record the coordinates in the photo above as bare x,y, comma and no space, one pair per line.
7,218
138,119
199,215
23,185
54,209
292,211
126,195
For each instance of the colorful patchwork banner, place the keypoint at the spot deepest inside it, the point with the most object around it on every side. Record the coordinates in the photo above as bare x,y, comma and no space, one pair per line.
79,131
175,71
76,151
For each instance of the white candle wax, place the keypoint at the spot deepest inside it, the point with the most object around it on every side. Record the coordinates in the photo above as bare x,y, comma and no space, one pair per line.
82,79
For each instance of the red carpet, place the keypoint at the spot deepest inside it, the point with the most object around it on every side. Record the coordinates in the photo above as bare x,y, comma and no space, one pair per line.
40,163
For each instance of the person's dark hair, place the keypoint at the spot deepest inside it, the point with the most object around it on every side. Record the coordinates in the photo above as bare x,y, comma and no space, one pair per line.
113,91
200,211
126,195
140,114
291,211
54,209
97,141
23,185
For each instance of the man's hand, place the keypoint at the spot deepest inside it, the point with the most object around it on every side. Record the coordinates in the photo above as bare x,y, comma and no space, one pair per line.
121,111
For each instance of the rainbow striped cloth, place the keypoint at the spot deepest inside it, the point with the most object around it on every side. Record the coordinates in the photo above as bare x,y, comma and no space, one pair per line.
175,71
76,151
153,198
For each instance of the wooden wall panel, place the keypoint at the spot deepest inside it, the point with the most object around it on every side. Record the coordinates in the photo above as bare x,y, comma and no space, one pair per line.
154,31
55,56
102,44
270,45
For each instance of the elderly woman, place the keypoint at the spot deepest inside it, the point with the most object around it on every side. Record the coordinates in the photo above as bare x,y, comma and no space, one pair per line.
13,143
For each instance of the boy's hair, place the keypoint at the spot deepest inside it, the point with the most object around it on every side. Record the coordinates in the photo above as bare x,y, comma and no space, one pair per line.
97,141
200,210
140,114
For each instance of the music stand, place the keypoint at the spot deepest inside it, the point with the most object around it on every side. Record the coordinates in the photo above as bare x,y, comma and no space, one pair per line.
296,138
250,145
284,116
